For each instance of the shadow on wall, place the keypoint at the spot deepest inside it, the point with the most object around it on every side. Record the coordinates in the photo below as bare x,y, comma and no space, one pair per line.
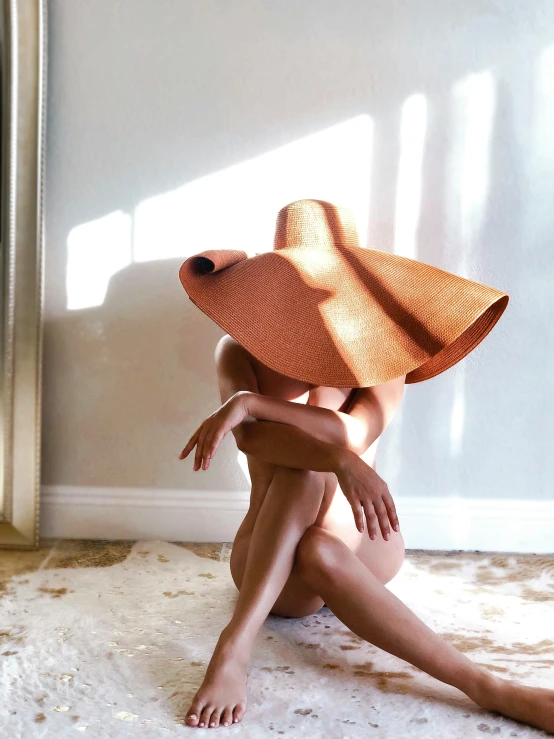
124,364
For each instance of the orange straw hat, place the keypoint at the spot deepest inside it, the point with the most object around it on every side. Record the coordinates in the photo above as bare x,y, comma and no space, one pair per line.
323,309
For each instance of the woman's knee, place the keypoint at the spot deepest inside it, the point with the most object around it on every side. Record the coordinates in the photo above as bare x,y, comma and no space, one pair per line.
319,553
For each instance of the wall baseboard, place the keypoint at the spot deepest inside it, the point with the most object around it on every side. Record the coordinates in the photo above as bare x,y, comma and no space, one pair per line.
493,525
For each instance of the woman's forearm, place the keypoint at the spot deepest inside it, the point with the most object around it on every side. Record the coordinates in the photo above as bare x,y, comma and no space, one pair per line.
288,446
323,424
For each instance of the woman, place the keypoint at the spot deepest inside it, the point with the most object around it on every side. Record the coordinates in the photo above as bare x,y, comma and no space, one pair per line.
303,542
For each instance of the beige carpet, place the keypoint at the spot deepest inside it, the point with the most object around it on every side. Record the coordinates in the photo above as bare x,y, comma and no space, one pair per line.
116,646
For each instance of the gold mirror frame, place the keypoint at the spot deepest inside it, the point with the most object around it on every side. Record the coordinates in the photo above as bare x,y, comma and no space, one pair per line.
23,119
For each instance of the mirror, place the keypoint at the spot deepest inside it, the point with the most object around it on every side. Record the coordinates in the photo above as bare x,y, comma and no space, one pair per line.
22,122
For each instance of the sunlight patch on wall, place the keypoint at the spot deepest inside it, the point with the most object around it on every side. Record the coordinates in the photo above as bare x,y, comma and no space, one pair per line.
544,111
95,251
475,99
408,192
237,207
234,208
474,106
457,415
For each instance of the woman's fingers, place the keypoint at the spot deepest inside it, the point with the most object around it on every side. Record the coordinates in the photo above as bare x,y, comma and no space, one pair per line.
206,440
199,456
211,444
205,461
383,519
190,444
371,518
391,511
358,512
206,454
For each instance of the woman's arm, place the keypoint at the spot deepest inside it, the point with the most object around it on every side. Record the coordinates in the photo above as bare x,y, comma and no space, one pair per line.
286,445
275,443
369,414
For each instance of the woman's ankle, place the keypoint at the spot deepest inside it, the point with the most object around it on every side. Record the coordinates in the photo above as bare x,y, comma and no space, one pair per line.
484,688
234,643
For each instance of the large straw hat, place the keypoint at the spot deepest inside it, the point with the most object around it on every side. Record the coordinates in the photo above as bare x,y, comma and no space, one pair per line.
323,309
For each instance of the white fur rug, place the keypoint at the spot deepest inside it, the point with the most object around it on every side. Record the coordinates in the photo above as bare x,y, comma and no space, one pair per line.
101,651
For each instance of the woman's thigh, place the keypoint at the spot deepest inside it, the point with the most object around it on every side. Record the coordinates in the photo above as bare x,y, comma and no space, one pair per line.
297,599
383,558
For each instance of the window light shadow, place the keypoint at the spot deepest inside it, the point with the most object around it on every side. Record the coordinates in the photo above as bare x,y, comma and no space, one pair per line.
474,102
408,191
234,208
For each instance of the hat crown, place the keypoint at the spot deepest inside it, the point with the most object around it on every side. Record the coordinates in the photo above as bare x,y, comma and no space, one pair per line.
315,223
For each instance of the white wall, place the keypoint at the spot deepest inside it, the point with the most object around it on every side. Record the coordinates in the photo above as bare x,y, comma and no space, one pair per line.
176,125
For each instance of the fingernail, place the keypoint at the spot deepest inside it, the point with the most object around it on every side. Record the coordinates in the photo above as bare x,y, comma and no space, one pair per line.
192,715
201,723
386,537
396,527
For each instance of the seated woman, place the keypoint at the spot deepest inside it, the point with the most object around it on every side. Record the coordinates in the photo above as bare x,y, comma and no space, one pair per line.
299,546
326,335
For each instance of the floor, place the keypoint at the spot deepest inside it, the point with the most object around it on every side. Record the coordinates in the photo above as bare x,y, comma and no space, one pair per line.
113,638
62,553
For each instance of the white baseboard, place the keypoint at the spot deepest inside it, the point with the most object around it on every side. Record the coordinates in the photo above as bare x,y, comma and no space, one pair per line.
491,525
141,513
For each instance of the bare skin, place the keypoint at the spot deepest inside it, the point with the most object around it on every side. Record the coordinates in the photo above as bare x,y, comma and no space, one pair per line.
301,545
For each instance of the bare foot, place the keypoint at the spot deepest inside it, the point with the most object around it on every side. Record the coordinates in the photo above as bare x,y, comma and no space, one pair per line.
221,699
533,706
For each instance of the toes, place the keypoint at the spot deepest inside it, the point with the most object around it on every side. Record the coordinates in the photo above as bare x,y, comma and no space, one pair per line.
205,716
214,718
192,715
238,713
227,716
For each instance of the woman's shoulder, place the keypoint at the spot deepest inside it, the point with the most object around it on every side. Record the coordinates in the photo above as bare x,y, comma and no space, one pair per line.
388,395
228,353
228,346
227,341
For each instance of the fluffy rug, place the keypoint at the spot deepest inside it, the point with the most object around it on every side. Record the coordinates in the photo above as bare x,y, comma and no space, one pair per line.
119,651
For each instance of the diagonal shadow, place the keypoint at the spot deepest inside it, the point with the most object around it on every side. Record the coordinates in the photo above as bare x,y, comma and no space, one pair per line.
405,320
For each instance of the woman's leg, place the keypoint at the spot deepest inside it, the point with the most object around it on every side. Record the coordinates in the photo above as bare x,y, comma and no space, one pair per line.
371,611
291,505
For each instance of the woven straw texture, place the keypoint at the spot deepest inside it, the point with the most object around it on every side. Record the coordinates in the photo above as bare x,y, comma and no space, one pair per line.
323,309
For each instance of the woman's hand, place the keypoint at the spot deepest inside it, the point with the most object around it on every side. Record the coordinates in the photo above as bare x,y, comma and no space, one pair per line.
210,433
367,493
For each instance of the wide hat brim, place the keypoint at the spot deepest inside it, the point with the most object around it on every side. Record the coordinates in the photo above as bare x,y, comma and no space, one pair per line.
343,317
